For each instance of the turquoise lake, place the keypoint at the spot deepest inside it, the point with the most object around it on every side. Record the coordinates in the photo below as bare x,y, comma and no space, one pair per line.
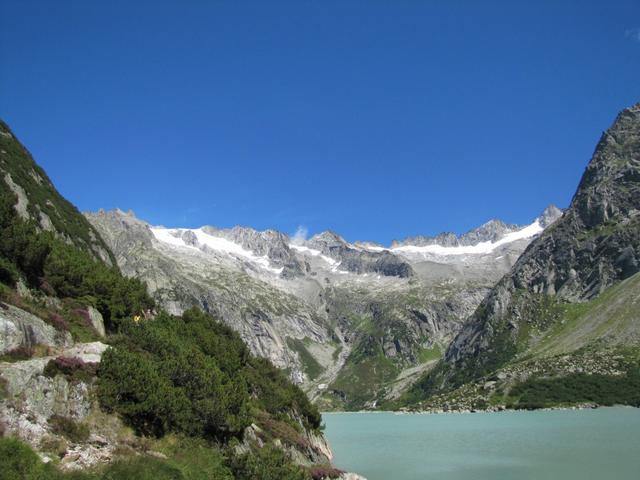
555,445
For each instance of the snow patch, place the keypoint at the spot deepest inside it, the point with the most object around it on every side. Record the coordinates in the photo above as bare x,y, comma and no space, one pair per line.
174,237
315,253
373,248
481,248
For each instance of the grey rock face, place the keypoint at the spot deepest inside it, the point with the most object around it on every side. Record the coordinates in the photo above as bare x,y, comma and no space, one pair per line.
595,244
179,279
97,322
360,261
30,399
28,391
23,201
22,330
43,396
270,243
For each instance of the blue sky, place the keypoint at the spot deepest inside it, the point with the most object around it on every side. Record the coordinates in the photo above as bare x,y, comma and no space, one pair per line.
376,119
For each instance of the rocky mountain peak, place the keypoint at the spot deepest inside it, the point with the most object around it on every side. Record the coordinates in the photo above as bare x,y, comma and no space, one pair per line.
269,243
491,231
609,186
549,215
597,240
327,239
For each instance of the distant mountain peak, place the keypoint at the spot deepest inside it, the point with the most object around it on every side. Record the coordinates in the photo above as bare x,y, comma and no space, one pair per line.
549,215
329,237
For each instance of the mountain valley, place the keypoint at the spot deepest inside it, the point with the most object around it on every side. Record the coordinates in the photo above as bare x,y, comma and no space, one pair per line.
353,323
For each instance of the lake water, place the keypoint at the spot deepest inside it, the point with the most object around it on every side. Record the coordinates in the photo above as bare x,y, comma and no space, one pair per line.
602,444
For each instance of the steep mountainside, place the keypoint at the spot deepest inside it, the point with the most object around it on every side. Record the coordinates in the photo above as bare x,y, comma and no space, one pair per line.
553,300
353,323
94,374
37,200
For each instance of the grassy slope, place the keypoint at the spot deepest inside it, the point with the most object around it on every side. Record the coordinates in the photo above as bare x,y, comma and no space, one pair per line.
612,318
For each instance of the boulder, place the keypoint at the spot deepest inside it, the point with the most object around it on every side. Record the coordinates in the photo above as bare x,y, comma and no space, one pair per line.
97,322
22,330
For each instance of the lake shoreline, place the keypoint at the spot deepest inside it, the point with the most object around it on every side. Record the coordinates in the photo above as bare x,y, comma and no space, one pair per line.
586,406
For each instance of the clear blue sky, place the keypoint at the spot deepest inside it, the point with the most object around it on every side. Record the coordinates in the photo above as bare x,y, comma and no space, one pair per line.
377,119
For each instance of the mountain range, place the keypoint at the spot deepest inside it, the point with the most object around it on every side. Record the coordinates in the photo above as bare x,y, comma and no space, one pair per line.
353,323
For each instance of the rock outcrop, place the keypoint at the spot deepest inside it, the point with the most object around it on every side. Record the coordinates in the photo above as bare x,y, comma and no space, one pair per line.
357,260
35,399
20,331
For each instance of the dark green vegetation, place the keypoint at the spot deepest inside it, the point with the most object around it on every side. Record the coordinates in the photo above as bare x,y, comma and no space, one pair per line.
268,463
53,267
43,198
578,388
195,376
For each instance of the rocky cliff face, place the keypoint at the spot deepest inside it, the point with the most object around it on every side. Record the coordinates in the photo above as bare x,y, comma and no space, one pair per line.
39,404
357,260
594,245
197,275
347,320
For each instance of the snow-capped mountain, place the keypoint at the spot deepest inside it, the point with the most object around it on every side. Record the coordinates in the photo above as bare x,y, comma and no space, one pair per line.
324,307
272,252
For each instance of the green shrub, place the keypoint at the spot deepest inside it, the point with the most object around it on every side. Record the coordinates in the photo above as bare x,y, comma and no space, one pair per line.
19,462
56,268
578,388
73,368
193,375
8,272
196,459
